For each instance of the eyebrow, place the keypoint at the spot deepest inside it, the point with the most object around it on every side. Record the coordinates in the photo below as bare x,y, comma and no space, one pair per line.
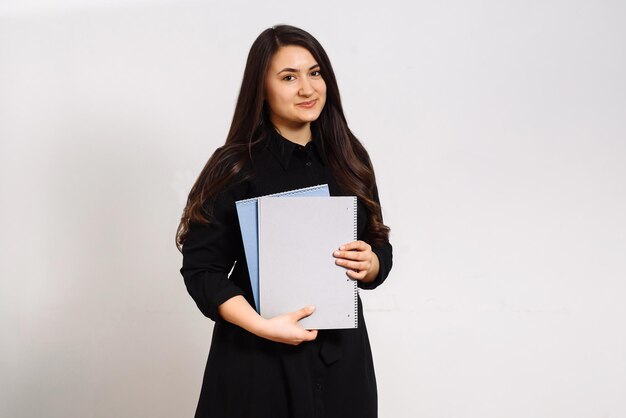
294,70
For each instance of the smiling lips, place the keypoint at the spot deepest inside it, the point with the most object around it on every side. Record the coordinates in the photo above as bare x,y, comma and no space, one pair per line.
307,105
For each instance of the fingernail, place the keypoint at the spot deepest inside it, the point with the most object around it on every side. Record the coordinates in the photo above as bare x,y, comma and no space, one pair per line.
343,247
336,253
310,308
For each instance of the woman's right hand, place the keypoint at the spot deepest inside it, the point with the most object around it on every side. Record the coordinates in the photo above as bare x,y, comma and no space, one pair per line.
286,329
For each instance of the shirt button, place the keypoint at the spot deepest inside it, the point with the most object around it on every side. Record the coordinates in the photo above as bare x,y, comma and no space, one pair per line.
308,163
318,386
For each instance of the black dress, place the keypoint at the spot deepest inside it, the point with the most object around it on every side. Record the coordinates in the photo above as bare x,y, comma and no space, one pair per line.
250,377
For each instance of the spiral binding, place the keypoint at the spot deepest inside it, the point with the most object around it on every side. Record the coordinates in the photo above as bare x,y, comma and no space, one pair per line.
356,288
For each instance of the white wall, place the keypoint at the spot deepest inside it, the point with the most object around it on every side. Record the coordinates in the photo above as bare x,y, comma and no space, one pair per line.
498,131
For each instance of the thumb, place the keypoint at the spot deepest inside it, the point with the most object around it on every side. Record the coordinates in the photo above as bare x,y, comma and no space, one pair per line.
304,312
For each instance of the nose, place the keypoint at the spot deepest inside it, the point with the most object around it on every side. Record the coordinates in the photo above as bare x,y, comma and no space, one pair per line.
306,89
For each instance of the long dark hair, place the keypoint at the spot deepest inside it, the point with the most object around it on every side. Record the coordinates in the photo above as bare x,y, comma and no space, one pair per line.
349,162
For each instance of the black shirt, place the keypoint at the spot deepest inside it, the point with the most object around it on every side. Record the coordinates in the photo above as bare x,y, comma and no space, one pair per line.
248,376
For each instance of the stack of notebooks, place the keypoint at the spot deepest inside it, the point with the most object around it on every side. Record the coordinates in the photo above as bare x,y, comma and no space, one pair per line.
289,239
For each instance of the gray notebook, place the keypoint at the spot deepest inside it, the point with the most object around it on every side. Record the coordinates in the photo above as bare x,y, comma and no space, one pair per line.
297,237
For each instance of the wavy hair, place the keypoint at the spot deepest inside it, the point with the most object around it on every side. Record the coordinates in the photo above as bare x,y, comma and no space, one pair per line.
349,161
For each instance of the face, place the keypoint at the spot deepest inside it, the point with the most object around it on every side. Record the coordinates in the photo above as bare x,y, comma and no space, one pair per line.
294,88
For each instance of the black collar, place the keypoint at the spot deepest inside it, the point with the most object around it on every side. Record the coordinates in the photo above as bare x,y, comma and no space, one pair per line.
283,149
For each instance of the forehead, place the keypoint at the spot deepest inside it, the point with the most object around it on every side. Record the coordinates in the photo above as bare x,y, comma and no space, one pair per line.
292,56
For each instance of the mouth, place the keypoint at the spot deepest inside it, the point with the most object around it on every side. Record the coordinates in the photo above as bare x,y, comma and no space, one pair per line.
308,104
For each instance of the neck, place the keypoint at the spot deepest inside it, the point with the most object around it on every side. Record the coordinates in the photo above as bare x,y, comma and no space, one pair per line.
300,134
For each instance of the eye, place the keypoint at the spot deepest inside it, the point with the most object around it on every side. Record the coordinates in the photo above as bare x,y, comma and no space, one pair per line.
289,78
316,73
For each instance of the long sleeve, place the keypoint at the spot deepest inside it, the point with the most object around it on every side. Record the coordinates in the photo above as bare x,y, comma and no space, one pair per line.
209,253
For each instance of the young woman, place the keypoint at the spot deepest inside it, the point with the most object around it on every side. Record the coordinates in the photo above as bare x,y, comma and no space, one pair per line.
288,132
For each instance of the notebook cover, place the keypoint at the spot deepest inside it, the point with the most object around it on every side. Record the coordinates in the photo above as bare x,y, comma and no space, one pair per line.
248,223
297,238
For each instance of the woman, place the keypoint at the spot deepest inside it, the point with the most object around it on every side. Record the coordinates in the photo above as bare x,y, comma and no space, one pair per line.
288,132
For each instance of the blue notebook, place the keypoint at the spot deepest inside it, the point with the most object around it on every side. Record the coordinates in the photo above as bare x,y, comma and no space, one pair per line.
247,211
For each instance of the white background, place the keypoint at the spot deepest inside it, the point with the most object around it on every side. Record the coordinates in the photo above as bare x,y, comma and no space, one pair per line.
498,134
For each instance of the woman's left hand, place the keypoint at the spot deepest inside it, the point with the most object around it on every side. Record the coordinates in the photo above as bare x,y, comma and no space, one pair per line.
359,259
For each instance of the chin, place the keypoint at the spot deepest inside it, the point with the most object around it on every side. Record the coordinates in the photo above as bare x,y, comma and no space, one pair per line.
309,116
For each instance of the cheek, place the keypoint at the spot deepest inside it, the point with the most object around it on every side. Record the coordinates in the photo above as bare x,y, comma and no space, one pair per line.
321,89
281,95
276,98
322,92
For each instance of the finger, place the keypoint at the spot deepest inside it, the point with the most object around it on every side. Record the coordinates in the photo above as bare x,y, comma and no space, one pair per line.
354,255
353,265
357,275
310,335
305,335
304,312
354,245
